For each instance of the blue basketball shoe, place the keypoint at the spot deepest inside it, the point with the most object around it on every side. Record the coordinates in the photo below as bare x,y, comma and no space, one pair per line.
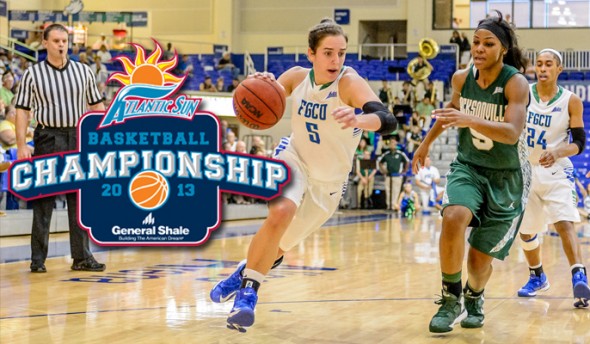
242,313
581,290
225,289
535,284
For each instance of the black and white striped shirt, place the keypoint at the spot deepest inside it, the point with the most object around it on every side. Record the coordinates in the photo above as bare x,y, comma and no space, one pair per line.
57,97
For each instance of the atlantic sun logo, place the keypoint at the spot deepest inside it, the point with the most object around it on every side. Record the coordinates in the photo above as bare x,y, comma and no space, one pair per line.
151,155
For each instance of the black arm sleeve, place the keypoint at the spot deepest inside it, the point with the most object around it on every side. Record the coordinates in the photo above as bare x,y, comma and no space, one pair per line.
388,121
578,138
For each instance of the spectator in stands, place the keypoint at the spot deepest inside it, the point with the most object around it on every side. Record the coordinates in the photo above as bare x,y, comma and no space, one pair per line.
2,110
8,141
226,63
6,93
101,74
75,55
90,53
258,151
363,147
207,85
385,94
231,139
100,42
424,109
168,53
421,64
8,130
366,169
426,180
430,92
34,40
465,51
104,54
220,84
529,71
393,165
185,66
3,67
224,130
406,95
257,144
234,84
241,147
19,65
456,39
84,59
408,202
413,138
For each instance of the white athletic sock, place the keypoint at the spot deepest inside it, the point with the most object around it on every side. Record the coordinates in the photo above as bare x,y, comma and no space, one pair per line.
253,275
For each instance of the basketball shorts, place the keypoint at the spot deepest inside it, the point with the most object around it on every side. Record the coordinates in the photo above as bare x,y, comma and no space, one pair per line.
495,198
552,197
316,200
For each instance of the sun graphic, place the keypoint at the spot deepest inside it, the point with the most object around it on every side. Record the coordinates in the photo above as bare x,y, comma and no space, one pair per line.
149,71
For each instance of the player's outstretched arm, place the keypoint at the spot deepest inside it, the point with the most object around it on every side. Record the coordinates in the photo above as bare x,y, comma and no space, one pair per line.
356,93
439,126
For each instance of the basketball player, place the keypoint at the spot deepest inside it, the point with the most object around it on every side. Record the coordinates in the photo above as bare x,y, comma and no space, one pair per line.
487,185
320,153
554,113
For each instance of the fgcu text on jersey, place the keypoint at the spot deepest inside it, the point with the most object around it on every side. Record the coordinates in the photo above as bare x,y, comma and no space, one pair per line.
149,169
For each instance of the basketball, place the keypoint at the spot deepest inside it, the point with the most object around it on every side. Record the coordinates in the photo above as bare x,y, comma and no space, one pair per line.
259,103
149,190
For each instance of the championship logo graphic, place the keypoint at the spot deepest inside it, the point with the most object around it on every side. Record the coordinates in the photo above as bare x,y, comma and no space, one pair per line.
149,169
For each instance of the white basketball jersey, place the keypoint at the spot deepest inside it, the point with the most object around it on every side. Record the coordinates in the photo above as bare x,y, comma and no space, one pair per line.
324,148
547,122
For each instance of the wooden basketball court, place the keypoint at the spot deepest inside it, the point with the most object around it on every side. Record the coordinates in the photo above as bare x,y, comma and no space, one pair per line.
367,277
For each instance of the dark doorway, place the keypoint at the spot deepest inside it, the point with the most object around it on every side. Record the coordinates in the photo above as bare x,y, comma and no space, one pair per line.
383,32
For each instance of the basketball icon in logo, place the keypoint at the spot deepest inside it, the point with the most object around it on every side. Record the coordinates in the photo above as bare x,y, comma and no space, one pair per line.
149,190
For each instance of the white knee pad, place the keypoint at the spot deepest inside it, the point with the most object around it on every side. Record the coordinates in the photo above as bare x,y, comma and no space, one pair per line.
530,244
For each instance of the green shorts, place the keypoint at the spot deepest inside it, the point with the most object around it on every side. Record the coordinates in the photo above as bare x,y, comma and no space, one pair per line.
495,200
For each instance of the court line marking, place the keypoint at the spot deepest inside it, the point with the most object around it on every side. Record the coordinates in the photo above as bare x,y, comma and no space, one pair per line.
277,303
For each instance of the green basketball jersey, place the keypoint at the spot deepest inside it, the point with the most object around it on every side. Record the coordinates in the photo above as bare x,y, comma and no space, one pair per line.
489,104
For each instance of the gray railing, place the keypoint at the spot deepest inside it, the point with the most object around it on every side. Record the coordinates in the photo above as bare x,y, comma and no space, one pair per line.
11,44
572,59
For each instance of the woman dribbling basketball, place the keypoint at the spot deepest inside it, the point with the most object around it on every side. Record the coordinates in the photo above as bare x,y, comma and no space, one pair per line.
320,153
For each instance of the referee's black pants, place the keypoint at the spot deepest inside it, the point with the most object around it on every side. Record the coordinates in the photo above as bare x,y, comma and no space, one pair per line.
53,140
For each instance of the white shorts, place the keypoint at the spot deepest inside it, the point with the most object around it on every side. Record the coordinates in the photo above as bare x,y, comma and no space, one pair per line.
316,201
552,197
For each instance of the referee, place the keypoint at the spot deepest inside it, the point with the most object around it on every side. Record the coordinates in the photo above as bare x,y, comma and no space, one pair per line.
57,90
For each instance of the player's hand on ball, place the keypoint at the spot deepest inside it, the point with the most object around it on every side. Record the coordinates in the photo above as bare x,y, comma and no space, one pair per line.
345,115
263,75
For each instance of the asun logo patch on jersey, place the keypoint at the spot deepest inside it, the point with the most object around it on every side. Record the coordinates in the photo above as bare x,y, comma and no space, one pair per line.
149,169
498,90
332,94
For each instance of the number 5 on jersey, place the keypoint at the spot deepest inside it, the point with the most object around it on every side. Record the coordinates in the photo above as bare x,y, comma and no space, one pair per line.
312,129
